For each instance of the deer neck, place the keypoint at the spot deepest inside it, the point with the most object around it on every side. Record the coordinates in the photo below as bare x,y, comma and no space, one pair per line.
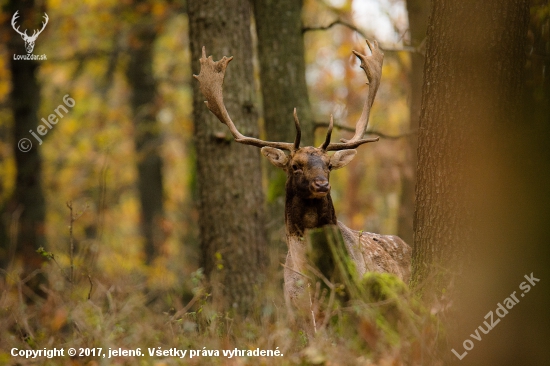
304,213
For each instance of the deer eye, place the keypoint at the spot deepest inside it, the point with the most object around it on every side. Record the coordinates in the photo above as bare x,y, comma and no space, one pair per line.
329,166
295,167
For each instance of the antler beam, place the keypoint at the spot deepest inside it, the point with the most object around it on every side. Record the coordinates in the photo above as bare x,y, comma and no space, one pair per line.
13,21
372,65
211,78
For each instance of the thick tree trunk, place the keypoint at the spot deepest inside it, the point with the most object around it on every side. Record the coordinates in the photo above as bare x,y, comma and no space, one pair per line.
469,247
418,11
231,216
474,61
147,135
24,215
283,84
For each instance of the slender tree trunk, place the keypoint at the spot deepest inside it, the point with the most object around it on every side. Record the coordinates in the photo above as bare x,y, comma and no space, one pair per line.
24,214
473,75
283,85
147,134
231,217
418,11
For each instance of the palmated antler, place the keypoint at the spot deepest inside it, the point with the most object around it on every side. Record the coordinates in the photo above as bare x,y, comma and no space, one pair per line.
211,78
373,68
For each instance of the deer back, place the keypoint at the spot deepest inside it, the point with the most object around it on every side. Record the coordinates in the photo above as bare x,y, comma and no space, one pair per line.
377,253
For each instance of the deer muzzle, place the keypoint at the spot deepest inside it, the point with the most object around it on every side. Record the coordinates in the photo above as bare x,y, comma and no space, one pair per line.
320,187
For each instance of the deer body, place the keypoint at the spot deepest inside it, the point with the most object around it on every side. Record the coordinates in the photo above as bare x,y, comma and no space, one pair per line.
308,203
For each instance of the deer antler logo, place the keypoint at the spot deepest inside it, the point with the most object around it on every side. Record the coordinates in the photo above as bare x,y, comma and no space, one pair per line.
29,40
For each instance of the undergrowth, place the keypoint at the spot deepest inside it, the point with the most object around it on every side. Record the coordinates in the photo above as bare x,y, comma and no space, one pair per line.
386,325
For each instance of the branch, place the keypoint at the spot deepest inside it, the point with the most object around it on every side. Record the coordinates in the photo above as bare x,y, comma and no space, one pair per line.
371,132
363,34
87,55
91,287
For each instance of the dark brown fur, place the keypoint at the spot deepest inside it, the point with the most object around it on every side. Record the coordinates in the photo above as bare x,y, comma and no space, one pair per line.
303,210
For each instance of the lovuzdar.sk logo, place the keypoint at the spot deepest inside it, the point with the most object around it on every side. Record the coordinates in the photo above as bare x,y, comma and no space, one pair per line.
29,40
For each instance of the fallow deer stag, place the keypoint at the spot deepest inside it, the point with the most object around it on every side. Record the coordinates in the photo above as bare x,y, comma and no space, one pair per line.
308,203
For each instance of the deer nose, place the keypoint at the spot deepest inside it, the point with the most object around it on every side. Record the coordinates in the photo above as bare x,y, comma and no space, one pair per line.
320,185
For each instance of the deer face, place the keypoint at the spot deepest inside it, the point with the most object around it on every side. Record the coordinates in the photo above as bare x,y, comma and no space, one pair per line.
308,168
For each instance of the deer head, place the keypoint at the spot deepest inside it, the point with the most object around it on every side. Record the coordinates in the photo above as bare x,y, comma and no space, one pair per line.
29,40
307,168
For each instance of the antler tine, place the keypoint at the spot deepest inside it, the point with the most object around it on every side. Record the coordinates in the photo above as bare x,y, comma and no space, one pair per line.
13,19
329,133
43,24
211,76
372,65
298,131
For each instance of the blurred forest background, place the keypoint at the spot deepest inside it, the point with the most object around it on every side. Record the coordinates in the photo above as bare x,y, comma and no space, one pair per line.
113,194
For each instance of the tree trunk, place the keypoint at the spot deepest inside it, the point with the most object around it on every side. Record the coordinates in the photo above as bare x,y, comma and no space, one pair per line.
418,11
231,217
283,85
473,74
471,95
147,134
24,214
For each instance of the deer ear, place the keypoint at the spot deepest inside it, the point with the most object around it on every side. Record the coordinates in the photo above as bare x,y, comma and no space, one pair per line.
341,158
276,157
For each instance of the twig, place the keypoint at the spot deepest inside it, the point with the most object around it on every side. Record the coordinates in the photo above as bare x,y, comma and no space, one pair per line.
332,296
371,132
328,315
71,247
51,256
321,276
311,307
21,314
363,34
31,275
188,306
91,287
300,273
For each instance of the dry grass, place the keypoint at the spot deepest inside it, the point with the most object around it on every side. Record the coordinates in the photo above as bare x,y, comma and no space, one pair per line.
390,327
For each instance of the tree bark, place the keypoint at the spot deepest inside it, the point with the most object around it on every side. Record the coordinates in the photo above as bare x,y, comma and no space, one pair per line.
418,11
283,86
23,217
231,205
473,75
147,134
